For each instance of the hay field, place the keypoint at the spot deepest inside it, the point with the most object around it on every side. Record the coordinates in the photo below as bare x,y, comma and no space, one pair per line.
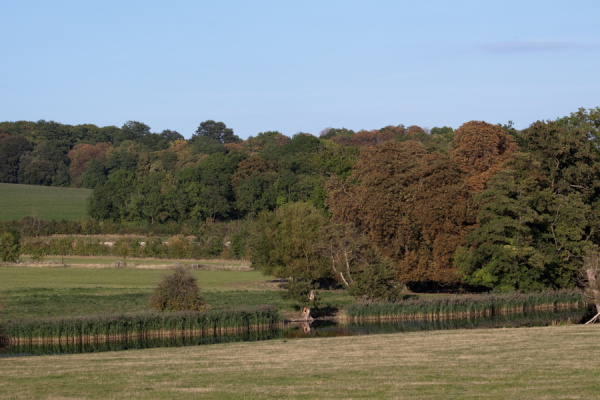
558,362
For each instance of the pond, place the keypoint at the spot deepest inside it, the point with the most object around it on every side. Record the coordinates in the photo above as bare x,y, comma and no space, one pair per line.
300,330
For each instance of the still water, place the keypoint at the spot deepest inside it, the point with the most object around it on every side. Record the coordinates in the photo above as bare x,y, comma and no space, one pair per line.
303,330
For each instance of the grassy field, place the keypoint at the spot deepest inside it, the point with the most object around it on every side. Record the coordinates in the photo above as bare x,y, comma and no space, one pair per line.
53,292
29,292
45,202
559,362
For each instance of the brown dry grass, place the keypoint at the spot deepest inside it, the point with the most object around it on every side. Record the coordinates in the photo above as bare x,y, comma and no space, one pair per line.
527,363
136,263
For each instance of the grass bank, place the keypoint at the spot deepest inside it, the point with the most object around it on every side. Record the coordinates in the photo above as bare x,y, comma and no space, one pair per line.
532,363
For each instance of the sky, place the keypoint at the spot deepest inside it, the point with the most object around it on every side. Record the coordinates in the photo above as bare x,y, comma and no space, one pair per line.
297,66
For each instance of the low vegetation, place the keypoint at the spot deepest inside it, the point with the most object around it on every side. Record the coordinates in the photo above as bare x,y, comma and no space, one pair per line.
107,327
466,306
178,291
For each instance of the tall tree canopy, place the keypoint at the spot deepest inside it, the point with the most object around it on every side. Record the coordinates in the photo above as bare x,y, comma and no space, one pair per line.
217,131
414,205
540,215
480,149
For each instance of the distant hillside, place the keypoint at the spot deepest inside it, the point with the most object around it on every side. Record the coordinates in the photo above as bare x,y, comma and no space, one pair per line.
45,202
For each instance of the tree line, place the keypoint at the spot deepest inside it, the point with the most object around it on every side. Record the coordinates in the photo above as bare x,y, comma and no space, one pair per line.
483,207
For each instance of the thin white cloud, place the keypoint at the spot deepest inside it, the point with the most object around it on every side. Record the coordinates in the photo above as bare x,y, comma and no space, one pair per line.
533,46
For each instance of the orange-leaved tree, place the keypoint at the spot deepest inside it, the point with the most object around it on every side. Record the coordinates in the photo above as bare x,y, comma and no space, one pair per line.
413,204
480,150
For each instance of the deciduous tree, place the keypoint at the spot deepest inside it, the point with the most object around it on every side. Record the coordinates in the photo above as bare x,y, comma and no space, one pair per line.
480,149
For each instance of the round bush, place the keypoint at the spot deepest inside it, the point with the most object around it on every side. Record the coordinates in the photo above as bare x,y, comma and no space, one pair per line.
178,291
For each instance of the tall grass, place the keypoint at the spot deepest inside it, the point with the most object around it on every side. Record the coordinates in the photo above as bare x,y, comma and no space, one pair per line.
465,306
146,324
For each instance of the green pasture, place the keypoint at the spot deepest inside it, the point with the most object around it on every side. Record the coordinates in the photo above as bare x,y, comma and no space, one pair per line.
125,278
44,202
39,292
557,362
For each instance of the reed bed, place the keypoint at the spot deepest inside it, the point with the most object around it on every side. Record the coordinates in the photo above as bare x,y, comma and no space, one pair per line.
465,306
146,324
146,342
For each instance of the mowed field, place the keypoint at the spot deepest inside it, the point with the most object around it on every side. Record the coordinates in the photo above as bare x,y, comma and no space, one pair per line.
44,202
559,362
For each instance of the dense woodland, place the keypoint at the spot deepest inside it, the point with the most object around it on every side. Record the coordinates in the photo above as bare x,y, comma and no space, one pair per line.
484,207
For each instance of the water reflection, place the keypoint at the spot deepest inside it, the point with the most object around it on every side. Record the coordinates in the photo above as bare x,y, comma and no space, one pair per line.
301,330
331,329
133,343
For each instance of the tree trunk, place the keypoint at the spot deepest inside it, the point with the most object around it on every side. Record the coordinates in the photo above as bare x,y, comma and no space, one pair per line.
593,285
305,314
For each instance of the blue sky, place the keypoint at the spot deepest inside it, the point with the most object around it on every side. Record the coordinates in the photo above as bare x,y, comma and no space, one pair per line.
297,66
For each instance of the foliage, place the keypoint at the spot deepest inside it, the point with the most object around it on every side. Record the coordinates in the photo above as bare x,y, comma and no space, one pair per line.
409,191
302,292
11,150
45,165
10,246
80,157
376,279
217,131
413,205
177,292
285,243
360,267
480,149
540,215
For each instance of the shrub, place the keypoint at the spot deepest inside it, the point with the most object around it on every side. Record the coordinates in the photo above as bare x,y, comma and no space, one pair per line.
178,291
10,248
178,247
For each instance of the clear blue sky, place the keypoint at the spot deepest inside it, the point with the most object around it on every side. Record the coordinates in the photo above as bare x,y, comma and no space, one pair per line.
297,66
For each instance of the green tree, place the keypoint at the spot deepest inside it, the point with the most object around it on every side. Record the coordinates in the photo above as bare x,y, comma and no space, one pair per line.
287,243
510,251
217,131
123,158
59,135
11,150
360,267
171,136
112,199
532,236
45,165
10,246
208,145
94,174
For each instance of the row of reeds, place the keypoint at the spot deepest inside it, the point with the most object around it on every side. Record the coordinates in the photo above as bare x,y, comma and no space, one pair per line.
465,306
527,319
147,324
144,342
